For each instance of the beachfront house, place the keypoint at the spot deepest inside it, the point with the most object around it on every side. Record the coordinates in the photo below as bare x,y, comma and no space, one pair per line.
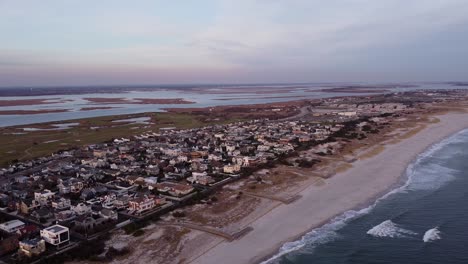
56,235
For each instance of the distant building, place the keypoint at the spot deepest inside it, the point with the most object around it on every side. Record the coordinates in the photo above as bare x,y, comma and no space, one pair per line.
44,197
347,114
231,168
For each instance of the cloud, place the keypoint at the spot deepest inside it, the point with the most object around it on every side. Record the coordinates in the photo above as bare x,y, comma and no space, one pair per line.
284,40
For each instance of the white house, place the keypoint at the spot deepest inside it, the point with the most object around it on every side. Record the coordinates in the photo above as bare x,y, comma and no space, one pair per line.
56,235
61,203
81,209
44,197
12,226
347,114
231,168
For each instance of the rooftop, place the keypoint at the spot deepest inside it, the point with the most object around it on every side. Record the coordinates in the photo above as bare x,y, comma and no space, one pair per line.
12,224
56,229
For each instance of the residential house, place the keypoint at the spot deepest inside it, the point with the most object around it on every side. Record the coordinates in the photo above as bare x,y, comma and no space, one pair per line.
44,197
61,203
64,187
88,222
87,194
42,214
32,247
144,203
64,216
234,168
12,226
81,209
108,214
200,178
172,188
26,206
56,235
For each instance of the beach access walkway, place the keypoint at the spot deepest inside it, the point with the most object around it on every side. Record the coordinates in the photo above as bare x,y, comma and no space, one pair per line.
211,230
274,198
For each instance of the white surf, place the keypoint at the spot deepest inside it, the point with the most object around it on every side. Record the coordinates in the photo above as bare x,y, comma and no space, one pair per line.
389,229
431,235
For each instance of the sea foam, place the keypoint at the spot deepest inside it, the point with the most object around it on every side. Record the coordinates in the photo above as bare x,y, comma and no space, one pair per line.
431,235
389,229
318,236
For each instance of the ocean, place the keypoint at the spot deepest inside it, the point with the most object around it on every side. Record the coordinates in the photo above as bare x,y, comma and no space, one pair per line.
424,221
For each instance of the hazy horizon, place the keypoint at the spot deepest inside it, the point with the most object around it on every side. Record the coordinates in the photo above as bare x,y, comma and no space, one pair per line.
84,43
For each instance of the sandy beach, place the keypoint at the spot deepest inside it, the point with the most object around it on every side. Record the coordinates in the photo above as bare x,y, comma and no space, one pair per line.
354,188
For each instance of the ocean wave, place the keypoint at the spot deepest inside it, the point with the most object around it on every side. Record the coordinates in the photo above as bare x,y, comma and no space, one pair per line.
429,177
431,235
318,236
422,174
328,232
389,229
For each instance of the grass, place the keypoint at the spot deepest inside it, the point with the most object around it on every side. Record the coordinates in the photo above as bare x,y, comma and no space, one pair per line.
35,144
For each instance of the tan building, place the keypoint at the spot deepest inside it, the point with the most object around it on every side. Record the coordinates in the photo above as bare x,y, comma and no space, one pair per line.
32,247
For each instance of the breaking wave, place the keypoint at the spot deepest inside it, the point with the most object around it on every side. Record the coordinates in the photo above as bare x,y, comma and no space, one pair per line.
431,235
429,180
321,235
389,229
424,175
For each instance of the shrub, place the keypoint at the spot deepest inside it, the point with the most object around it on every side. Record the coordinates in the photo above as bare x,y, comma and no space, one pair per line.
138,233
179,214
304,163
366,128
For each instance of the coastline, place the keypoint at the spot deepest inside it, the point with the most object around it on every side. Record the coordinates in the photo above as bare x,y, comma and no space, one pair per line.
319,205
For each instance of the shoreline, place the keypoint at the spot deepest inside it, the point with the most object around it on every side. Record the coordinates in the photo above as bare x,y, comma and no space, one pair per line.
357,188
402,182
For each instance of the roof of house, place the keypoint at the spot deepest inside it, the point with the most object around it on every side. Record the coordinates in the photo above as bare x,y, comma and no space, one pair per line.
12,224
56,229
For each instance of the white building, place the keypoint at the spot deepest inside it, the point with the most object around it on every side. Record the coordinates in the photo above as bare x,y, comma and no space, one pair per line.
81,209
348,114
56,235
12,226
231,168
61,203
44,197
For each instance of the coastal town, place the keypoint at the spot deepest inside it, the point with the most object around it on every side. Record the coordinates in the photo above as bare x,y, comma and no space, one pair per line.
54,204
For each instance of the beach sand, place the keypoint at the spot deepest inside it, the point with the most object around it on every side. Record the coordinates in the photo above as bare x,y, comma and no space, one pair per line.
353,188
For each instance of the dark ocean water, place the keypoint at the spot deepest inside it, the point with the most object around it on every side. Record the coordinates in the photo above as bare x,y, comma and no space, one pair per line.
425,221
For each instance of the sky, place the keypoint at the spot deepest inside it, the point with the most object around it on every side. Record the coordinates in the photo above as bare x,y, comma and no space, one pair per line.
108,42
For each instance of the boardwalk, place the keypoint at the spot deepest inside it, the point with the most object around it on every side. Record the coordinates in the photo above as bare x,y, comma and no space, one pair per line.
274,198
211,230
